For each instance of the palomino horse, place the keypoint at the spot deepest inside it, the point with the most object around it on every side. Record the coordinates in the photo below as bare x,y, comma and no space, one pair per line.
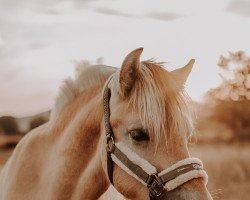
127,126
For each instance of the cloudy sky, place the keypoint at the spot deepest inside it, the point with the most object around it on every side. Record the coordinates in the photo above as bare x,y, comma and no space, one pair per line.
41,39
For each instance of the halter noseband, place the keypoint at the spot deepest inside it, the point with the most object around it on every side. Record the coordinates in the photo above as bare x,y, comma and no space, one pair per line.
168,179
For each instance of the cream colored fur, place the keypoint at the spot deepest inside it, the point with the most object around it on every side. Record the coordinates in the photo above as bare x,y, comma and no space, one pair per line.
67,91
181,163
135,158
173,184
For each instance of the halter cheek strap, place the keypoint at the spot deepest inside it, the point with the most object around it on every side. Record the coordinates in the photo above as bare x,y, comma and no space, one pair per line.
141,169
108,130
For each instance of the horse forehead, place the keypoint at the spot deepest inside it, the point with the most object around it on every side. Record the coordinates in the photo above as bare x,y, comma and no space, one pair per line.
122,112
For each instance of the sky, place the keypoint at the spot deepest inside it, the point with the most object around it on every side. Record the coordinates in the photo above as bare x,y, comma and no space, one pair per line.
41,40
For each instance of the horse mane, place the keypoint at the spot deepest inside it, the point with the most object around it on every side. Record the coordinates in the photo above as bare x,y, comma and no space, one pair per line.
86,76
161,103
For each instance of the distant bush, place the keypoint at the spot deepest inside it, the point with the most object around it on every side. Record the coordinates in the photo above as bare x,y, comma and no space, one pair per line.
231,99
38,121
236,115
9,125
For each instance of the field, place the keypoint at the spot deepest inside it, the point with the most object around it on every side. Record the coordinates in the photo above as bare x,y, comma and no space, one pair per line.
228,167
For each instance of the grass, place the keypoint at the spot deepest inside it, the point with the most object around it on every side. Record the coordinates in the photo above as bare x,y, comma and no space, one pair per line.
228,168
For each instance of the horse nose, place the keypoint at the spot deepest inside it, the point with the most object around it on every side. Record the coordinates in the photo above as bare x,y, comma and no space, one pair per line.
187,192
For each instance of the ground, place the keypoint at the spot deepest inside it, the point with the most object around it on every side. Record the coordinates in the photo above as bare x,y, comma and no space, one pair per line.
228,168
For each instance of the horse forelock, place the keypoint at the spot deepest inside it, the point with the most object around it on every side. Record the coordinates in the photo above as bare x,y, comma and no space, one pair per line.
160,102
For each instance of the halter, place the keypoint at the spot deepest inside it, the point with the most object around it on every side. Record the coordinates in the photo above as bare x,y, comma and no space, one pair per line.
141,169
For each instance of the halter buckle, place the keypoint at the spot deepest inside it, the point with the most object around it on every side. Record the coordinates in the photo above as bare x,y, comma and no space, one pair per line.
110,143
155,185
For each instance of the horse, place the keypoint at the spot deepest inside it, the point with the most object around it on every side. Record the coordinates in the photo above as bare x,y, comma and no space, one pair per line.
126,126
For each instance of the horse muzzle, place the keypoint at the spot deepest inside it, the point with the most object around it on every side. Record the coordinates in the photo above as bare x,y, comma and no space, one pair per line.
161,185
187,191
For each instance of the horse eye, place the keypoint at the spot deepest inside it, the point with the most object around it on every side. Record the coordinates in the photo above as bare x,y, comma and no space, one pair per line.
139,135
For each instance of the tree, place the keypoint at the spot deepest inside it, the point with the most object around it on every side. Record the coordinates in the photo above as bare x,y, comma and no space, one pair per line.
231,99
9,125
236,78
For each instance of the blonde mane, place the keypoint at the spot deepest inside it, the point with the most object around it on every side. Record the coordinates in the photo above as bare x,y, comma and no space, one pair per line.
86,76
159,101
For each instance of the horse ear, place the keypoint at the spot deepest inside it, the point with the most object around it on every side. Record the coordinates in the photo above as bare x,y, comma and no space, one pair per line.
129,70
181,74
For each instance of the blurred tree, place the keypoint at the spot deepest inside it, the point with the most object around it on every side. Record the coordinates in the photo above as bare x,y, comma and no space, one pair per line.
231,99
236,78
38,121
9,125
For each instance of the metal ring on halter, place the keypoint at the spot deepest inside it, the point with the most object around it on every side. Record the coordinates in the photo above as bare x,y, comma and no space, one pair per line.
155,185
110,146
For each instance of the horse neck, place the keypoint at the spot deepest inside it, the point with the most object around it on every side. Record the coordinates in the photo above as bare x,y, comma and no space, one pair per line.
81,144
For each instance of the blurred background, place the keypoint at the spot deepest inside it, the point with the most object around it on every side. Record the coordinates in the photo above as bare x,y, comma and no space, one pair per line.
41,41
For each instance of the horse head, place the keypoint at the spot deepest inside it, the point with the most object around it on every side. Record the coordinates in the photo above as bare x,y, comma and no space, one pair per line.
147,125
